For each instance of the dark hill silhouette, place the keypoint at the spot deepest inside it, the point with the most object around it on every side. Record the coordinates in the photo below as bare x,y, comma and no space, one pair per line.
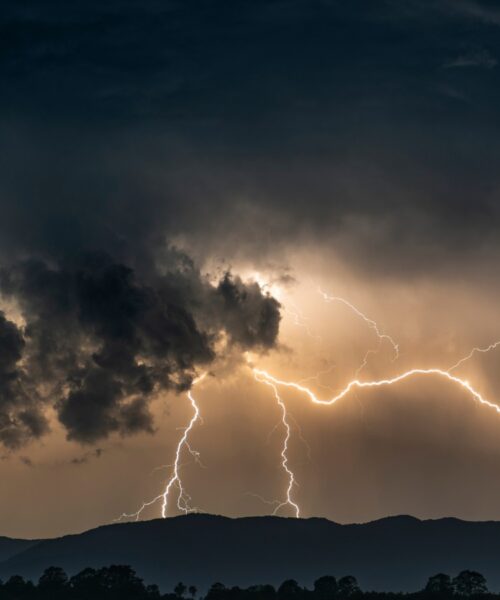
395,553
9,547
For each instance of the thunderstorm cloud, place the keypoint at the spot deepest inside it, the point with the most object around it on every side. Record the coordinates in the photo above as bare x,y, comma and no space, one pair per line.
230,130
99,340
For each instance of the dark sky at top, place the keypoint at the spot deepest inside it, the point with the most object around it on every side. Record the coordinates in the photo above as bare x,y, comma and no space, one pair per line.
124,122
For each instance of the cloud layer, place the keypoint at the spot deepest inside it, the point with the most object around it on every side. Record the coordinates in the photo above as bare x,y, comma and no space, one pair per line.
242,131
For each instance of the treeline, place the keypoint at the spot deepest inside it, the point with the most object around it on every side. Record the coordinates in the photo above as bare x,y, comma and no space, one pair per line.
122,583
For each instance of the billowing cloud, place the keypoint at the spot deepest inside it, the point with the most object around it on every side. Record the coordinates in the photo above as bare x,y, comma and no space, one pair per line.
101,340
21,417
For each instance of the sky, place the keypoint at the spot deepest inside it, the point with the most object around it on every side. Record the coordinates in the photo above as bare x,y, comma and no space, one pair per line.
181,184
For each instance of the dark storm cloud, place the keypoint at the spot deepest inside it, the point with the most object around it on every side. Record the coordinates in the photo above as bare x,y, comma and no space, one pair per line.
103,339
21,417
245,129
251,321
252,126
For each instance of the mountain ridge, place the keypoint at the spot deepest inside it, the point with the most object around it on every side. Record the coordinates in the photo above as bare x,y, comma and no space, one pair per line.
396,553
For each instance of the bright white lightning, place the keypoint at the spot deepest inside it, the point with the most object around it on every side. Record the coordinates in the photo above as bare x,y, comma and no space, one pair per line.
183,498
265,377
299,320
274,382
284,451
356,383
175,481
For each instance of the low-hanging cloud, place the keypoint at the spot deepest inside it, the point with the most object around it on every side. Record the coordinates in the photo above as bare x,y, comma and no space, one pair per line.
99,341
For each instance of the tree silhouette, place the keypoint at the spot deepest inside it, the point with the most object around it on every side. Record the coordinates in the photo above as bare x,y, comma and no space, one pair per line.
439,584
263,592
216,591
469,583
86,584
347,586
152,592
325,587
289,590
16,587
53,583
120,582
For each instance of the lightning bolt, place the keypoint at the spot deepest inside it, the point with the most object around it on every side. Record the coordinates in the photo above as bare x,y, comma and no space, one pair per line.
266,378
183,498
284,450
371,324
357,383
274,382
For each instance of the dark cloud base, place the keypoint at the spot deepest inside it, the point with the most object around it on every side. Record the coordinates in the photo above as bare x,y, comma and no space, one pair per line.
100,341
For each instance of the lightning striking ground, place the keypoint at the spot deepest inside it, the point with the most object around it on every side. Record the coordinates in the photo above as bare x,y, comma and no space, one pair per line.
274,382
284,451
264,377
183,498
299,320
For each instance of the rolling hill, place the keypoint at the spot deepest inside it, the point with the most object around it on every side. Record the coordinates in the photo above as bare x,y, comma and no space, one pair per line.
395,553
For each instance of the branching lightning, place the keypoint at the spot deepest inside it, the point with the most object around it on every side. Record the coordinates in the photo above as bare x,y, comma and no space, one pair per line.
265,377
284,451
288,500
356,383
371,324
274,382
317,376
183,498
475,350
